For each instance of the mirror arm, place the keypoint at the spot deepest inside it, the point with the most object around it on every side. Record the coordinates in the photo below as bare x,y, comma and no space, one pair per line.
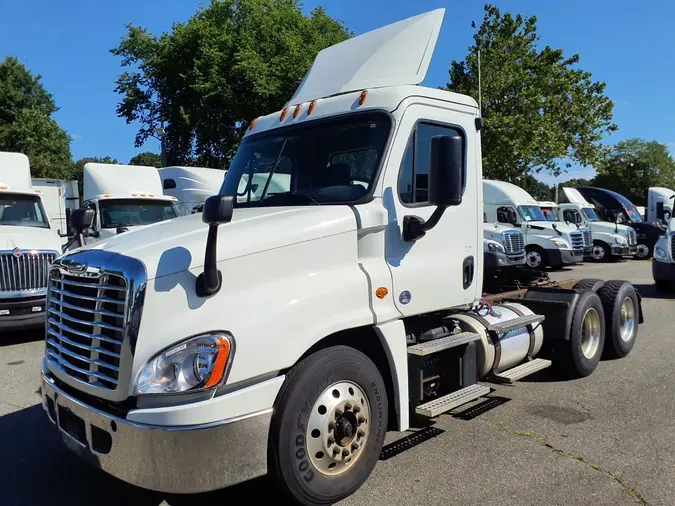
210,281
415,227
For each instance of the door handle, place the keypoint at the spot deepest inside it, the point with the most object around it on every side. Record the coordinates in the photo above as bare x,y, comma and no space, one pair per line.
468,272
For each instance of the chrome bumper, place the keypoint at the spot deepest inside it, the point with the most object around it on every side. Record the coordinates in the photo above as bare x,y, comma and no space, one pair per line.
186,459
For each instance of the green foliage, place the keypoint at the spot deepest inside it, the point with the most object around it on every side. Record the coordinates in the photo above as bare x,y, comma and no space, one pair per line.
204,82
148,159
633,166
26,125
576,182
538,107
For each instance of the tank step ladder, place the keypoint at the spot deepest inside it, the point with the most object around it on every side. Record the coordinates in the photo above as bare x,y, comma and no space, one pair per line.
434,346
453,400
520,371
521,322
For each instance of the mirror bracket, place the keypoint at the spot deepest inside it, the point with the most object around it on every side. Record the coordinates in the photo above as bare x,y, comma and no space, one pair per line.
415,227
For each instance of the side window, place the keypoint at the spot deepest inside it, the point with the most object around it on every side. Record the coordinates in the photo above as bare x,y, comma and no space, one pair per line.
413,180
569,215
502,214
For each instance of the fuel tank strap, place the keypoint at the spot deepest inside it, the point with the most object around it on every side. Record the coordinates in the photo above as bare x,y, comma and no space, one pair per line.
530,331
493,336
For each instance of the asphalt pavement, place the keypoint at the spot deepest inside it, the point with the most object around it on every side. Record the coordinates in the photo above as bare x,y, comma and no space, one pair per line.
608,439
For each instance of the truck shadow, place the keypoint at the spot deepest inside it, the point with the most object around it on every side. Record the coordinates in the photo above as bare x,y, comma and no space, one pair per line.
21,337
37,469
650,292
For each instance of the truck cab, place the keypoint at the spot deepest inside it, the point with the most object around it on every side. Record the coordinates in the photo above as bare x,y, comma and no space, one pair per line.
123,198
288,326
615,208
547,243
191,186
28,246
660,202
611,241
554,214
503,247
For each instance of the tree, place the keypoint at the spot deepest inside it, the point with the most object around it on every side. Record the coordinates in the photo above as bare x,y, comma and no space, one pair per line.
537,189
538,107
633,166
26,125
204,82
147,158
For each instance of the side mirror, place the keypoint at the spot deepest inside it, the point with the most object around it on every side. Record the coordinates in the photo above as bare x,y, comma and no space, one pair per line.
217,211
80,220
577,218
445,183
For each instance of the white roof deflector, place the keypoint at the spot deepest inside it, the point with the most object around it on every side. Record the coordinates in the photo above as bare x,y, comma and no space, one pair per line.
575,197
396,54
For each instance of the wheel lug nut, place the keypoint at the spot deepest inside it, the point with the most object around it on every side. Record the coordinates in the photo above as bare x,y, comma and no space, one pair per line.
360,434
361,420
355,447
356,409
338,413
330,441
348,407
336,451
331,425
345,453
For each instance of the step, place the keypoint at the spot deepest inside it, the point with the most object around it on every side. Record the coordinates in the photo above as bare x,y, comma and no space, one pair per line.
451,401
436,345
517,323
519,372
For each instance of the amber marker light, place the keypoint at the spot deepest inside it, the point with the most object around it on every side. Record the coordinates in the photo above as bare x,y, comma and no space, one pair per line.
311,107
284,113
221,362
381,292
298,108
363,97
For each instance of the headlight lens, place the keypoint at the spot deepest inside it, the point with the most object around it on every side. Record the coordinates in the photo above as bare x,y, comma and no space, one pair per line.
660,254
199,363
559,243
495,247
620,240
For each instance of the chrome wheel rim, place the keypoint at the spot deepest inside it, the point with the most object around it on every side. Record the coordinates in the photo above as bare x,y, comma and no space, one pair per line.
590,333
642,251
533,259
338,428
598,252
627,319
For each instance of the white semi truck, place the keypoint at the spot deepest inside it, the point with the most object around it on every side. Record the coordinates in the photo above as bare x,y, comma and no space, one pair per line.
611,241
286,333
28,245
191,185
503,247
660,203
124,197
547,243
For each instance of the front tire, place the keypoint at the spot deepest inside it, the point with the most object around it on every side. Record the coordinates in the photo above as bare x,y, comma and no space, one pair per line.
600,252
621,305
333,400
643,252
579,356
536,257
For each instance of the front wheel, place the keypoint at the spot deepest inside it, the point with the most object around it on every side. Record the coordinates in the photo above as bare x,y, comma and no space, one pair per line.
643,252
328,427
536,257
600,252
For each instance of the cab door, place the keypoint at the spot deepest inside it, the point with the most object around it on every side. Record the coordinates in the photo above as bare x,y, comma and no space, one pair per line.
443,268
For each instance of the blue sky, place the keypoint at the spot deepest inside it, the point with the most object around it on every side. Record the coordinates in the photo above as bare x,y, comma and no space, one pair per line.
626,44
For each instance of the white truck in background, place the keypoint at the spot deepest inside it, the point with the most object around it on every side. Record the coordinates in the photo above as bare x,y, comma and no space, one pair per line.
124,197
191,185
547,243
611,241
28,246
58,196
503,247
660,202
286,333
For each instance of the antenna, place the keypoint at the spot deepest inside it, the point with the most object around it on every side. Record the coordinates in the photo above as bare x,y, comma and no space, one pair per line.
480,98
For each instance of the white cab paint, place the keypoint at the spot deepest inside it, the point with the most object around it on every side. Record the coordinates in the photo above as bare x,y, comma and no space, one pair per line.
657,195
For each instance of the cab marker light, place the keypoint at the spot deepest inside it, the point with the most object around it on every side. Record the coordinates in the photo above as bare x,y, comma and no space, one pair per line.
298,108
362,98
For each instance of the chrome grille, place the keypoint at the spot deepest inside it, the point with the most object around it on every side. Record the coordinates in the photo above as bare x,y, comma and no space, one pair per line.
24,271
632,236
513,242
85,326
577,240
588,237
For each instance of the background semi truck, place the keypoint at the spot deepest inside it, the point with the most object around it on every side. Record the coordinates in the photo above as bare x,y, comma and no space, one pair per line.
28,245
546,243
285,333
124,197
58,197
191,185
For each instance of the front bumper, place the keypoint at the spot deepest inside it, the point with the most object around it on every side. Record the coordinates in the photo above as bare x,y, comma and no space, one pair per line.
564,256
663,271
622,250
23,313
175,459
493,260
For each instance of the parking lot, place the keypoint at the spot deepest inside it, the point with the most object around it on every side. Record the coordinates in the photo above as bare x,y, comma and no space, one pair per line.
607,440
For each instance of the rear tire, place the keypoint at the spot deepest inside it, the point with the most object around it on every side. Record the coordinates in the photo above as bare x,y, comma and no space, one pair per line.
579,356
589,284
621,305
325,402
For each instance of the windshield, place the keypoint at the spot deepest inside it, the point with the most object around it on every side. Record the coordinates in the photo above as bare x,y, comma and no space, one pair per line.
22,211
331,162
532,213
135,212
590,214
633,213
631,210
549,214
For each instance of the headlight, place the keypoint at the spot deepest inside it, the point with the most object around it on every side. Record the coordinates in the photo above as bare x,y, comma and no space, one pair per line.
559,243
660,254
198,363
495,247
620,240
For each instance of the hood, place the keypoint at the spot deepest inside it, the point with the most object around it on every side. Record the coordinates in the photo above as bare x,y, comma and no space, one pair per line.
574,196
494,230
548,225
29,238
176,245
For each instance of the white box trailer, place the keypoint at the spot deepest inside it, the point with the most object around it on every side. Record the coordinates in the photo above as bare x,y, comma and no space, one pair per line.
285,333
58,195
